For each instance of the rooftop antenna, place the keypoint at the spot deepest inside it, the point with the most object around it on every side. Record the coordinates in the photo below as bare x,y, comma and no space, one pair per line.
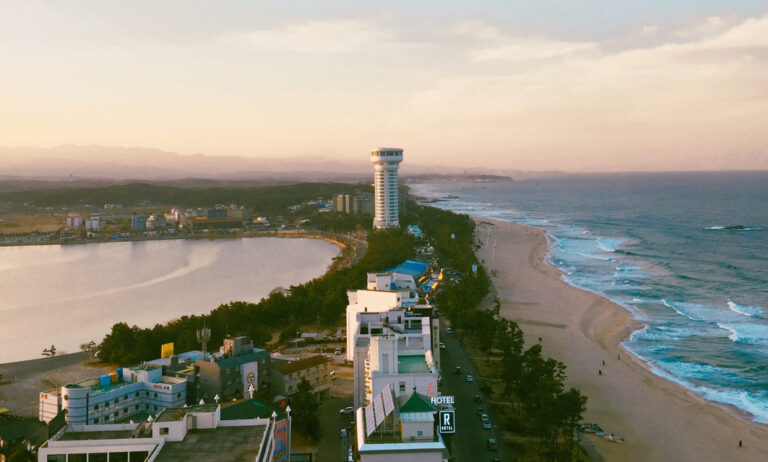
203,336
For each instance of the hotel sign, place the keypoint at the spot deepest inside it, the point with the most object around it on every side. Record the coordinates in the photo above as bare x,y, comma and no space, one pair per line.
447,422
437,400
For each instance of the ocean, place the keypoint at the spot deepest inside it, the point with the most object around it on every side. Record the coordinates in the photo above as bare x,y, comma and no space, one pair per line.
68,295
685,253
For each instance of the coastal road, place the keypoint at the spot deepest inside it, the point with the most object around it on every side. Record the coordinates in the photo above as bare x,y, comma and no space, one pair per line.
470,441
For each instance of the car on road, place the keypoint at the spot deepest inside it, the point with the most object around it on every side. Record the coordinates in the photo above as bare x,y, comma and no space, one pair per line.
343,433
347,410
491,444
442,346
480,411
469,378
458,370
487,424
478,399
449,330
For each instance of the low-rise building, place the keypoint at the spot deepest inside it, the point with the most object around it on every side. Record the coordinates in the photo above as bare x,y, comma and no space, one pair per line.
114,398
231,372
138,222
93,223
402,429
74,220
287,376
155,221
177,434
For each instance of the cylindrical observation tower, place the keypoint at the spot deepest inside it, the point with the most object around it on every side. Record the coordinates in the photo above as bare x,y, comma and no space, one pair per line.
386,161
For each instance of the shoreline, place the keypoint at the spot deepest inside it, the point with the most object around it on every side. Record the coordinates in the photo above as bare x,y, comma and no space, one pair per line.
659,419
286,234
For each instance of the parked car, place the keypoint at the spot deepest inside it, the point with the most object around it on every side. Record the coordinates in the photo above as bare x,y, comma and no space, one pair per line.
449,330
480,412
337,352
442,346
470,378
458,370
487,424
478,399
347,410
491,444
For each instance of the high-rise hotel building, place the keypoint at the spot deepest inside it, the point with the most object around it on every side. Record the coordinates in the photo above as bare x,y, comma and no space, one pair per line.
386,161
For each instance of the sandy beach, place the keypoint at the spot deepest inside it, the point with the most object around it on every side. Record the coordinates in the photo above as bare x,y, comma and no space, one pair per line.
658,419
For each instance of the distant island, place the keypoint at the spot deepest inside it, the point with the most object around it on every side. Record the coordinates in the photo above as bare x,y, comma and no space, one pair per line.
452,178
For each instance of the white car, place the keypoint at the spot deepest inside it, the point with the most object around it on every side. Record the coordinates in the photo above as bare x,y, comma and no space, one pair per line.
347,410
470,378
442,346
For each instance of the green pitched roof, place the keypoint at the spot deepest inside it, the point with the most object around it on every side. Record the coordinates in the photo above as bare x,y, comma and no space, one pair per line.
248,409
417,403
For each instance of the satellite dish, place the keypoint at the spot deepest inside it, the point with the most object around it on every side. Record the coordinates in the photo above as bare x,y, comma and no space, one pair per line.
201,402
216,398
149,419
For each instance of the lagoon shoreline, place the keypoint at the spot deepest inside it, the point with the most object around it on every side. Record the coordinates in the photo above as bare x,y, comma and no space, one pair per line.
659,420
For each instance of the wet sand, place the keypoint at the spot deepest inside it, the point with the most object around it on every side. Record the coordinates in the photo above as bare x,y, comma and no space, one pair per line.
658,419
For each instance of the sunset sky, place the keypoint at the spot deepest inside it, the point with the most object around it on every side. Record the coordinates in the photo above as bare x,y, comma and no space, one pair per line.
589,85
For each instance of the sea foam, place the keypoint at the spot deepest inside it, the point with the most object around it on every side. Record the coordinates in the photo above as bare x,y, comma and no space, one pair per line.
744,310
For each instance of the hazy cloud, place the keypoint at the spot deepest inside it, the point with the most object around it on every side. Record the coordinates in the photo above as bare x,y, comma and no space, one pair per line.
331,36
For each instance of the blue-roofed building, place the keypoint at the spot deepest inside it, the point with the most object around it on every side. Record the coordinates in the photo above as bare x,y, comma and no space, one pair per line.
414,230
430,286
414,268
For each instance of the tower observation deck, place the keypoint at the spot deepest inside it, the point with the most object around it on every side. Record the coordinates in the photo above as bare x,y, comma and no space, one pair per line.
386,161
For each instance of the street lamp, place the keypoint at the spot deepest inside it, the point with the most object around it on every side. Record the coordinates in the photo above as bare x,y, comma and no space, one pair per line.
290,430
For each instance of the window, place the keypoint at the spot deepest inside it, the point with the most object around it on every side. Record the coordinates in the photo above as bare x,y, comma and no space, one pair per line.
402,387
95,407
118,457
419,433
116,413
137,394
136,407
164,431
155,394
178,395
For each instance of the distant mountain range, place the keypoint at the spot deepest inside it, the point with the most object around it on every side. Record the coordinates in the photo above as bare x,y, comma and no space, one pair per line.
108,163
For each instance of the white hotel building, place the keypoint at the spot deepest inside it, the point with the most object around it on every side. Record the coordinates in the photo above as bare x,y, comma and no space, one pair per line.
388,344
386,163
